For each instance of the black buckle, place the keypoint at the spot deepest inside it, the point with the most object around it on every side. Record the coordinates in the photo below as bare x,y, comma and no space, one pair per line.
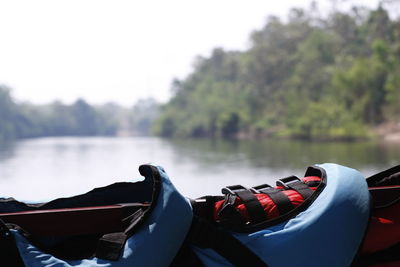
257,189
229,200
228,209
230,195
232,189
287,181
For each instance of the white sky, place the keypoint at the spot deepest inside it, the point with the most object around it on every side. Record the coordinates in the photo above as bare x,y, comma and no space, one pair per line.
119,50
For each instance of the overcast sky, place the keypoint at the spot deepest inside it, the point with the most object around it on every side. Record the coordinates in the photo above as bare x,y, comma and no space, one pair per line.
119,50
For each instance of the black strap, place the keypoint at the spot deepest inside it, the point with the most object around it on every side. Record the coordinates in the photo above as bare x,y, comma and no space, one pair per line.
110,246
206,235
281,200
8,249
253,206
294,183
302,189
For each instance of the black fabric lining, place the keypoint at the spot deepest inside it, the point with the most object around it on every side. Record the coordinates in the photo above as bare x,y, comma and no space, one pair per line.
186,257
376,180
385,196
8,249
389,255
117,193
206,235
393,179
384,187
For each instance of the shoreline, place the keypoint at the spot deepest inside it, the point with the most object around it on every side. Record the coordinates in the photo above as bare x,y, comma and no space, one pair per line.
388,133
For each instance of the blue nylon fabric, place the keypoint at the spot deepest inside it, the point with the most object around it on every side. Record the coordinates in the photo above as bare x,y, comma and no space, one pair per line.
328,233
155,244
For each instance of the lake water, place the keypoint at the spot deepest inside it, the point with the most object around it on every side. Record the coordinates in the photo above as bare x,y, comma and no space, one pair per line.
46,168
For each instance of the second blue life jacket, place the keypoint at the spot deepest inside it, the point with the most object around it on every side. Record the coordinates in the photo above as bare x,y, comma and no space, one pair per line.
327,229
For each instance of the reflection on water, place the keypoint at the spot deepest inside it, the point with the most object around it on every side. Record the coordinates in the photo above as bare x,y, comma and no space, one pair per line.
46,168
292,154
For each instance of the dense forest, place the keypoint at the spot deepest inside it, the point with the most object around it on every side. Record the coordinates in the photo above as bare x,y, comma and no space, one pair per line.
24,120
312,76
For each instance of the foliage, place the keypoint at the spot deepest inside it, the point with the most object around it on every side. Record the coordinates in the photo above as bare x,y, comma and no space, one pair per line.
142,116
312,77
8,114
24,120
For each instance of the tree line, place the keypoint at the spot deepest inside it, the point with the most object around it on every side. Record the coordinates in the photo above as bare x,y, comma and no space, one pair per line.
25,120
312,76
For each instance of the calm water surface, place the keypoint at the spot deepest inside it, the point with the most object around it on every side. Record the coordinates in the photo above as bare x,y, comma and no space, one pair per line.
47,168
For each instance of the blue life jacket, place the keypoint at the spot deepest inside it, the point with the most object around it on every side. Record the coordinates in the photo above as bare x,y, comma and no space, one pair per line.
328,232
155,242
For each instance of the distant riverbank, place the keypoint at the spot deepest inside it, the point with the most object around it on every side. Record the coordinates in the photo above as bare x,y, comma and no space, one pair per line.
389,132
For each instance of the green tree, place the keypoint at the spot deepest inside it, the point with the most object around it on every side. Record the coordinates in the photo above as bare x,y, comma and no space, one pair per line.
312,77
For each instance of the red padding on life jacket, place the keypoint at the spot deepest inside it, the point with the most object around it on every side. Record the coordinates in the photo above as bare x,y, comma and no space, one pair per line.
269,206
383,230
